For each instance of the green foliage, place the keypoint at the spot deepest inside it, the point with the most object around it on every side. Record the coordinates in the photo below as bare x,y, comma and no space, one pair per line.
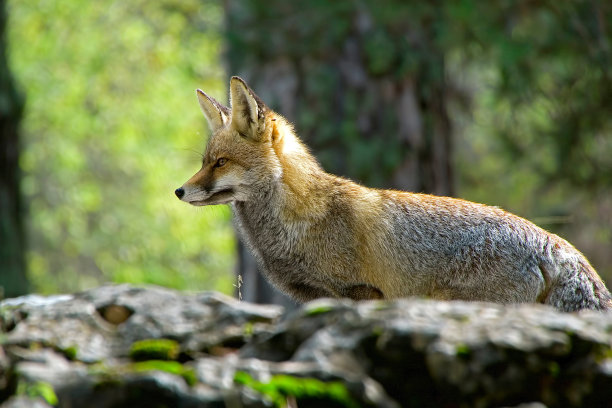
111,115
155,349
282,386
550,83
539,139
329,116
111,128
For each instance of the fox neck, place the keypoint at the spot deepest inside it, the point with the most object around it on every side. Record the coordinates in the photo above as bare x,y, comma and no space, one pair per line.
302,188
280,212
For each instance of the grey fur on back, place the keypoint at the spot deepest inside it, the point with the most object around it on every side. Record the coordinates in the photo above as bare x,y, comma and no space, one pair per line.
485,244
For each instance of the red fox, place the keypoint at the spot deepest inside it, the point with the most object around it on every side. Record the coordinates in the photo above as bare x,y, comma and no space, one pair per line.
318,235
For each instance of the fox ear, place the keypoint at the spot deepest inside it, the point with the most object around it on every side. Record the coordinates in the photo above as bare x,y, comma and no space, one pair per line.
247,109
216,114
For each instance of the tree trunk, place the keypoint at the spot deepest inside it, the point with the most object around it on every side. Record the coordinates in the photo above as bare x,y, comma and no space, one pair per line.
365,90
13,280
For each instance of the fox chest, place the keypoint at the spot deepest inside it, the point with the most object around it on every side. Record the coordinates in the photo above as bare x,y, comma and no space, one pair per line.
273,243
290,257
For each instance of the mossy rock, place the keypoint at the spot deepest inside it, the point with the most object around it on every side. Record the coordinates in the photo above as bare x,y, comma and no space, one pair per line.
38,389
155,349
172,367
282,386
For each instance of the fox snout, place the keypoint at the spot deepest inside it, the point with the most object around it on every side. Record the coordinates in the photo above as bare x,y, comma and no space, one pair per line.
198,195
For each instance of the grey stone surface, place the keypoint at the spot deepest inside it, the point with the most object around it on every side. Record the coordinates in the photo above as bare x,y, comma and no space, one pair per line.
74,351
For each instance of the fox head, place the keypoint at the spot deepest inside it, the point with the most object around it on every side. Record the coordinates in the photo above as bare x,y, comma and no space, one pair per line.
241,154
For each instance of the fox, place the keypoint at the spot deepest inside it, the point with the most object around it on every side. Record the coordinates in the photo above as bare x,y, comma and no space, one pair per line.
317,235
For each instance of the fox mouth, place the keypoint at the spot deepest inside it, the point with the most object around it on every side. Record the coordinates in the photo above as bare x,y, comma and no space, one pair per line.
223,196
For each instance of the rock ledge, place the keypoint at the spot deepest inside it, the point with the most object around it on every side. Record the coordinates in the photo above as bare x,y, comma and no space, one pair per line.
121,345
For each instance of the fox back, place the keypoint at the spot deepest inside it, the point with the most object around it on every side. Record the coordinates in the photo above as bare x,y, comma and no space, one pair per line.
318,235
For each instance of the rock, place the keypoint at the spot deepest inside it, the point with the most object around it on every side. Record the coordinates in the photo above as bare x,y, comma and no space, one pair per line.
120,345
25,402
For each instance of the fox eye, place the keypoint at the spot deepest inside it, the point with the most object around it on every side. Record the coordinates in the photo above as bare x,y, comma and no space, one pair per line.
221,162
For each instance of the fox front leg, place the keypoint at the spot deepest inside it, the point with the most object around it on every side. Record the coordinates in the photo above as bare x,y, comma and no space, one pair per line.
362,292
303,292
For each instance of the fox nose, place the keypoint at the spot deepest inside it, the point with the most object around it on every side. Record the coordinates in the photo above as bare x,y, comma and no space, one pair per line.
180,192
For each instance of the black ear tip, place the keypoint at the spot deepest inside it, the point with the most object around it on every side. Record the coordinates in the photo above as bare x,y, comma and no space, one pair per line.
200,93
238,79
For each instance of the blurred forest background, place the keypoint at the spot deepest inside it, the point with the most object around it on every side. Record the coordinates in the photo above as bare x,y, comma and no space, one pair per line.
505,102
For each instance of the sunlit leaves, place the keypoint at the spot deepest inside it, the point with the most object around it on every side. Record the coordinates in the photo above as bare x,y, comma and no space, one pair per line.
111,128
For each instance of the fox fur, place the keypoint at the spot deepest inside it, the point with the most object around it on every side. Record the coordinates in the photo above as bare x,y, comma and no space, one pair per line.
318,235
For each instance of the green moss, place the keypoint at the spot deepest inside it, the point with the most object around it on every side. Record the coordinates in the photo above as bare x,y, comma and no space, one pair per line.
380,305
554,369
105,376
154,349
172,367
189,375
463,318
112,375
316,310
463,350
70,352
248,329
7,317
38,390
281,386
